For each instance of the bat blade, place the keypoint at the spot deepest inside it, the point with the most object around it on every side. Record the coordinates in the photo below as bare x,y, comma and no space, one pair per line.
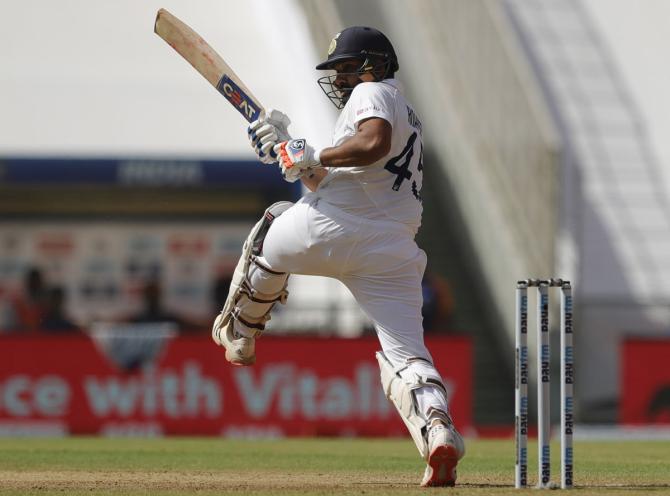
204,59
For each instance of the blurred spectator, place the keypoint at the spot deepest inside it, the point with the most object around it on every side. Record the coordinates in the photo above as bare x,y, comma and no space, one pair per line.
54,319
220,290
438,304
24,311
7,315
218,298
153,311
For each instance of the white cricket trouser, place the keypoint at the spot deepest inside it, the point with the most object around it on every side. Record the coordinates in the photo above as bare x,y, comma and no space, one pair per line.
377,260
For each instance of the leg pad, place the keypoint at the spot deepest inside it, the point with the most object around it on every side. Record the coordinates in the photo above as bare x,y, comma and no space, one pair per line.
400,386
254,290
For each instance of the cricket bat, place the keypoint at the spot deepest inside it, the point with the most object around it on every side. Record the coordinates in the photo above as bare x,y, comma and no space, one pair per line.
207,62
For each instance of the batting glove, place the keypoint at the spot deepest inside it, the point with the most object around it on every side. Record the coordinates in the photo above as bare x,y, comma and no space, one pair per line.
266,132
296,157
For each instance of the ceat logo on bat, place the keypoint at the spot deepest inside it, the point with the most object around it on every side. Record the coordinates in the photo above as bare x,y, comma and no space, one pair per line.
238,98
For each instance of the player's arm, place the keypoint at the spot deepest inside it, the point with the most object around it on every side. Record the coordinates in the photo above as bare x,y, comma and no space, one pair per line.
298,160
371,142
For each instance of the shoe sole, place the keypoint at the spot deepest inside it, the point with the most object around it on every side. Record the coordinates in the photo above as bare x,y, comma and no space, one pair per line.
442,462
239,362
233,359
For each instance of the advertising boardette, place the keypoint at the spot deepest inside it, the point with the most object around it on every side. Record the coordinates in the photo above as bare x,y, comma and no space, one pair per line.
302,387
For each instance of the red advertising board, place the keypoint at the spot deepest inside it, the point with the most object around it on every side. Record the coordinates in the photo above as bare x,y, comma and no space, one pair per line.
299,386
645,398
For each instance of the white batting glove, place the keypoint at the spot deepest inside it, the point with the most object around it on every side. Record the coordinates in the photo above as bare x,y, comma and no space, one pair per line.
266,132
296,157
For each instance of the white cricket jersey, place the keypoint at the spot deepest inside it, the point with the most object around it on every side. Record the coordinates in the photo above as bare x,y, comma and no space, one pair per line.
390,188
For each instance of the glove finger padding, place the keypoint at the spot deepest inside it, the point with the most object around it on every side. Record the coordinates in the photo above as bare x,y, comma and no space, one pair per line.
266,132
262,138
270,137
267,143
266,150
267,129
252,130
258,132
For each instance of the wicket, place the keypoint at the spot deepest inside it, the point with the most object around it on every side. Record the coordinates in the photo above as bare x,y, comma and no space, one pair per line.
543,382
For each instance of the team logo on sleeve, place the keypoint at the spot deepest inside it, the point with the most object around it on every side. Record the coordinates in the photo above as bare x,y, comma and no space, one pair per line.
369,108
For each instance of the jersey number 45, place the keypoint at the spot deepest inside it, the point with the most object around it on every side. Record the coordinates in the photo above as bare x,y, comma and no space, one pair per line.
400,164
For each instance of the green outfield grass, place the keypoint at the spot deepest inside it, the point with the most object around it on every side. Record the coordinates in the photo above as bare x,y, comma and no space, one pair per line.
94,466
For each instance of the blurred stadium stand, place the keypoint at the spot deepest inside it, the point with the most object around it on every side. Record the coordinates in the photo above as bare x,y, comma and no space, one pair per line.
103,228
615,209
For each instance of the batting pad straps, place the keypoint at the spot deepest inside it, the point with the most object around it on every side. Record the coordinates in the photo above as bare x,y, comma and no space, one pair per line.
400,386
258,294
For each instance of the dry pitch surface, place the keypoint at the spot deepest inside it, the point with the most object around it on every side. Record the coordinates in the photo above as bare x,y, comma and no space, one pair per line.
94,466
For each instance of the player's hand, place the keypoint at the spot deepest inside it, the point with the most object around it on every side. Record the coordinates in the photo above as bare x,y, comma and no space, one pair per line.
296,157
266,132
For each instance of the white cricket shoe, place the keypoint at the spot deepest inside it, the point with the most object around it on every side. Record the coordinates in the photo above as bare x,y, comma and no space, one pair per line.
445,448
240,350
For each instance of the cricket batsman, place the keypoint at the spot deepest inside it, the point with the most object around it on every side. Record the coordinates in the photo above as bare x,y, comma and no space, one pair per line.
357,224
